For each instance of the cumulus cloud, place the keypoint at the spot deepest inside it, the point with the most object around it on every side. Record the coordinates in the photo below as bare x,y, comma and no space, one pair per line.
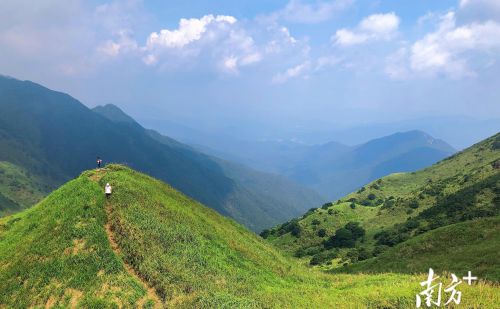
220,37
299,12
445,50
372,28
190,30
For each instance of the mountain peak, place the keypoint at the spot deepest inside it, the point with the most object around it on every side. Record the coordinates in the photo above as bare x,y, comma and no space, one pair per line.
114,113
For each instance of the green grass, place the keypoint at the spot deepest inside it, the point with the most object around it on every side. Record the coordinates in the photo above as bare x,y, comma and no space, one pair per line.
458,248
58,254
462,187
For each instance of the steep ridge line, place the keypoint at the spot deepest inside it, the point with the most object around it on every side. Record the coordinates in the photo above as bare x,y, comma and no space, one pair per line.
150,292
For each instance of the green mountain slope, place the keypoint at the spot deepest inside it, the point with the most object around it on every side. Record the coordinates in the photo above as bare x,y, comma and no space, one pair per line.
400,207
54,137
149,244
19,189
466,245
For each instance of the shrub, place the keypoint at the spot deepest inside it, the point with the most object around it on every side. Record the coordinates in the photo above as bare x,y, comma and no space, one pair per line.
295,229
366,203
321,233
310,211
345,237
353,255
371,196
322,257
379,249
390,238
265,233
361,189
353,205
315,222
307,251
496,144
413,204
411,224
326,205
357,231
363,254
292,226
388,204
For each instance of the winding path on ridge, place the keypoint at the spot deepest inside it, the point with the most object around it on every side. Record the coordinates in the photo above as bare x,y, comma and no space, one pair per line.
150,291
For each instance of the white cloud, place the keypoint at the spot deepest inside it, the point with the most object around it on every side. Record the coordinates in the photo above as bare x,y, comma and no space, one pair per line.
444,51
123,44
300,70
346,37
300,12
485,4
220,39
380,24
282,39
190,30
372,28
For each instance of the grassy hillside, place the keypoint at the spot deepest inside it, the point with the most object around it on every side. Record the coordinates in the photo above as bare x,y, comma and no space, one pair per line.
400,207
19,189
148,244
466,245
54,137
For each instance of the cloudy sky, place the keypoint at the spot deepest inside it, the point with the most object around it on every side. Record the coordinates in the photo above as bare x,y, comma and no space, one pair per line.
262,63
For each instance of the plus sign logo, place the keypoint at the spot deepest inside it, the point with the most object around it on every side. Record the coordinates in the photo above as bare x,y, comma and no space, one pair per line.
469,278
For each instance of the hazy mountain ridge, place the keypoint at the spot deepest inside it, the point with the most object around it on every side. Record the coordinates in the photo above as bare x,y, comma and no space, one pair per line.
55,137
337,173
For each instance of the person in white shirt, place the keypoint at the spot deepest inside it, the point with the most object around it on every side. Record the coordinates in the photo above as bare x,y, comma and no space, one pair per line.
108,189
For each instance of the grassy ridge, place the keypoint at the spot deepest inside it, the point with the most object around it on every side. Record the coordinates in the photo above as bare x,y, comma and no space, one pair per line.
58,254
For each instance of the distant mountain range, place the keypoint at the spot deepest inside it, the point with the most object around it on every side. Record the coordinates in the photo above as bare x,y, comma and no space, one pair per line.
51,136
335,169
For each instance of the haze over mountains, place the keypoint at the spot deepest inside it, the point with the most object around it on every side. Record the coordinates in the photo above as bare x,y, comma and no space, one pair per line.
335,169
51,136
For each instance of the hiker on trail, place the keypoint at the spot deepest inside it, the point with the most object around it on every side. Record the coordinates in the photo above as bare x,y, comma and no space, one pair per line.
108,190
99,162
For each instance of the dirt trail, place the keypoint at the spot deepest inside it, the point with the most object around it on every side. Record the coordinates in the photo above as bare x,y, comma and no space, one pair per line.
151,293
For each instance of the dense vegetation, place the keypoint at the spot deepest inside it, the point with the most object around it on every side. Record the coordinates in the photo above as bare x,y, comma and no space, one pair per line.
53,137
405,208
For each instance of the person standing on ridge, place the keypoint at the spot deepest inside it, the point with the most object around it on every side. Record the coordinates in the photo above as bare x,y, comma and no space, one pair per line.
99,162
107,190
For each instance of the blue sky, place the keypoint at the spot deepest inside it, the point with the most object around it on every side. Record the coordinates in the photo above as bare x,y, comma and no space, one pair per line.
262,64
